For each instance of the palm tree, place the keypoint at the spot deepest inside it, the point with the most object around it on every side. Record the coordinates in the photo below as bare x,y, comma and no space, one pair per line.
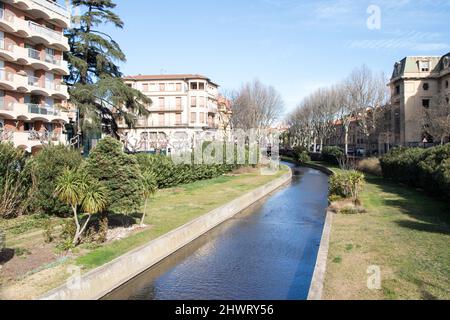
78,190
149,188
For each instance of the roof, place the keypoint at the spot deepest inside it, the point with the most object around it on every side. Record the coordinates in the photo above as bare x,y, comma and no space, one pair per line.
168,77
409,64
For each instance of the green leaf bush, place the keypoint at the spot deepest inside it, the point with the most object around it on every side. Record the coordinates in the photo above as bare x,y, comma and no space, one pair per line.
348,184
44,169
119,173
427,169
332,155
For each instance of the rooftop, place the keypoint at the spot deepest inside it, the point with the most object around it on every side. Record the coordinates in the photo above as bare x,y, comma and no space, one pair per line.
167,77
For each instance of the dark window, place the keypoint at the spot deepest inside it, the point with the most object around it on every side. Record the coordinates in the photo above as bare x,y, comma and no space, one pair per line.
446,84
426,103
397,90
426,86
194,86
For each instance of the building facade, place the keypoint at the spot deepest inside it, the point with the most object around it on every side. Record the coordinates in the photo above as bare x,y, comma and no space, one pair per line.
183,106
416,82
32,93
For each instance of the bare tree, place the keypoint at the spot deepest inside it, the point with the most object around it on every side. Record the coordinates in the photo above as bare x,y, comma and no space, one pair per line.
256,106
367,92
436,118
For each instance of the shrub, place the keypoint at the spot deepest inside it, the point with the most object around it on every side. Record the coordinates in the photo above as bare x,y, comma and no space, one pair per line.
332,155
2,240
168,174
349,211
348,184
44,168
48,231
301,154
14,181
370,166
119,173
428,169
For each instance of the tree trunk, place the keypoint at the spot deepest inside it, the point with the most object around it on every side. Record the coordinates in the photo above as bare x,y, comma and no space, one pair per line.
75,215
144,213
346,140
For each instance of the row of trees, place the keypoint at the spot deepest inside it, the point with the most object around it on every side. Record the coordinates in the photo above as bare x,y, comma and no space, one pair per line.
359,96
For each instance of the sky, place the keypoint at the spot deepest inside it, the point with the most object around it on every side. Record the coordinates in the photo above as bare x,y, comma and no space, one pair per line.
296,46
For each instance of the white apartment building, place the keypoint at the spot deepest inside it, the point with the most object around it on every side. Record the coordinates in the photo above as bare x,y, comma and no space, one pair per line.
183,105
31,73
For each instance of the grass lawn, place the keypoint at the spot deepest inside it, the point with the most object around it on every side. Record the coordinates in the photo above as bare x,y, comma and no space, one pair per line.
404,232
170,209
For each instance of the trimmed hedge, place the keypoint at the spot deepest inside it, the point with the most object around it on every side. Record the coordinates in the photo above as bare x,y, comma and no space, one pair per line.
332,155
168,174
427,169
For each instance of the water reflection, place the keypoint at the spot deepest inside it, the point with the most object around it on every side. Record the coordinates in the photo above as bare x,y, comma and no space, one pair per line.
266,252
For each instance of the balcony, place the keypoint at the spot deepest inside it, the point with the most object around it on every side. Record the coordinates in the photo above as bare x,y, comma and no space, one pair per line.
166,109
44,9
45,61
34,31
6,135
47,88
7,80
33,112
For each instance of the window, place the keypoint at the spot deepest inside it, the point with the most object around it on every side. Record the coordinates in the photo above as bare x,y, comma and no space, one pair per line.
426,86
202,102
426,103
194,86
178,87
193,117
446,84
397,90
152,87
424,66
161,118
178,102
201,86
178,119
162,87
50,127
171,87
193,101
2,125
145,87
162,102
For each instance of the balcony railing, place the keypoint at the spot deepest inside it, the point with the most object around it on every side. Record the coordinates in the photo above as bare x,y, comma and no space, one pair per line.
6,75
45,31
6,16
34,54
53,6
6,106
6,135
42,109
6,46
43,136
52,59
35,82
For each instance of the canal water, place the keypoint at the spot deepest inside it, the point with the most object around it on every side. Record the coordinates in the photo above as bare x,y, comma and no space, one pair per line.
267,252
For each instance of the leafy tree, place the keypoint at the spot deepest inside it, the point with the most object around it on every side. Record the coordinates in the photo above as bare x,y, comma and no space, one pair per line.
95,83
45,167
14,180
150,187
77,189
120,173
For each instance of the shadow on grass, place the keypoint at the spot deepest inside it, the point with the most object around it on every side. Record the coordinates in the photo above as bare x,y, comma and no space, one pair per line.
6,255
432,214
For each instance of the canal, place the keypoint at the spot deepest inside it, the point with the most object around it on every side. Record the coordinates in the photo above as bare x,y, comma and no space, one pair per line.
267,252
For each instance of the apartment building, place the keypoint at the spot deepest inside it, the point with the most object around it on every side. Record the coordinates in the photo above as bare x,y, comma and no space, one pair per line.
183,104
417,81
32,93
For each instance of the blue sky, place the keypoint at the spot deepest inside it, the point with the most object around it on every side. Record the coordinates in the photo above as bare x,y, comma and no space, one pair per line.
294,45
